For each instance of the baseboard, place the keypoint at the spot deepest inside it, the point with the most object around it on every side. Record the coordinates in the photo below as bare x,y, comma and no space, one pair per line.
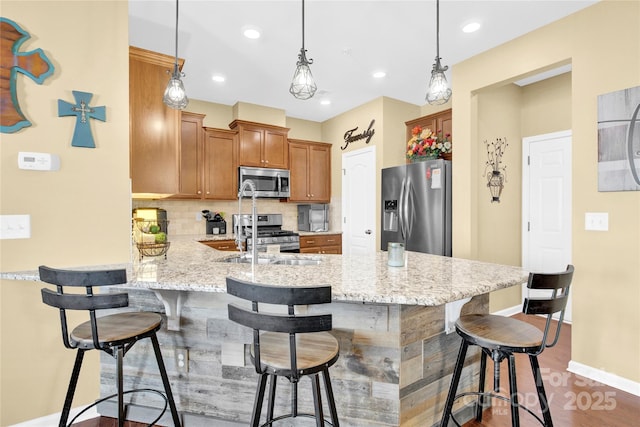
54,419
603,377
509,311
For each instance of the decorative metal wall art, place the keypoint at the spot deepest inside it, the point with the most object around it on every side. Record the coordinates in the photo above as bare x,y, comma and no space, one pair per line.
82,136
494,170
33,64
619,140
349,137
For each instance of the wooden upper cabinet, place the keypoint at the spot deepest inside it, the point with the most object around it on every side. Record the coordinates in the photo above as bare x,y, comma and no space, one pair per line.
220,164
190,151
310,166
261,145
436,122
154,157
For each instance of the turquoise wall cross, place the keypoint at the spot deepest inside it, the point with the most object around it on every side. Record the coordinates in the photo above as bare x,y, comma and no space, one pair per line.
82,136
33,64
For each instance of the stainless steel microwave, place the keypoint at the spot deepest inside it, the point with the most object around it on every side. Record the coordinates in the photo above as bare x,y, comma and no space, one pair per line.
268,182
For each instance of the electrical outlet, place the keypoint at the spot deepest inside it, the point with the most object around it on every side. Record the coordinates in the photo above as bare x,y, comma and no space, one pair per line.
596,221
198,216
15,226
182,360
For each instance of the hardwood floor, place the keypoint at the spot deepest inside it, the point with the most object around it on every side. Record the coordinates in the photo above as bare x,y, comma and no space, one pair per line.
574,400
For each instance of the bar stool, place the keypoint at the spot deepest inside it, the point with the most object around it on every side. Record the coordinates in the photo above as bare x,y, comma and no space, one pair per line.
501,337
293,346
114,334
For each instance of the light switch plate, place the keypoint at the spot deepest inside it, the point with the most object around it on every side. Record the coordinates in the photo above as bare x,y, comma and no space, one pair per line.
15,226
596,221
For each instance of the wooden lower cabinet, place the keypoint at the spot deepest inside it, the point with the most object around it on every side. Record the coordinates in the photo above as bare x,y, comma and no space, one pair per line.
221,245
321,244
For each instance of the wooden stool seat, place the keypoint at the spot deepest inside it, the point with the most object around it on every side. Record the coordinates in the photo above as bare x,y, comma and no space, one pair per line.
117,328
500,338
313,350
499,332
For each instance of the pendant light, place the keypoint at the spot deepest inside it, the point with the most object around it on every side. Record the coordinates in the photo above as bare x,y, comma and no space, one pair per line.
174,95
303,86
439,91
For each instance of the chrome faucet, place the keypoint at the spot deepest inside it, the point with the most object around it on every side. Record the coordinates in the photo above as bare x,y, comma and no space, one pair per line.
254,221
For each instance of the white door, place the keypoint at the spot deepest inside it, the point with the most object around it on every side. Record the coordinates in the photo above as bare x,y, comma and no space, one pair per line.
546,204
359,201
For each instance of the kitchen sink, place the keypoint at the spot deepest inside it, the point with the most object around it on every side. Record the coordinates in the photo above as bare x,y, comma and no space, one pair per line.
297,261
241,259
244,259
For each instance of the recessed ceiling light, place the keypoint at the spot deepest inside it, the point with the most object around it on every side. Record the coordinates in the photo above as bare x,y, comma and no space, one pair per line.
251,32
325,102
218,78
379,74
471,27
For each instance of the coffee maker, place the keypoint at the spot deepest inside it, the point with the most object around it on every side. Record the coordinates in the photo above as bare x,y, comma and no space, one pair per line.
214,221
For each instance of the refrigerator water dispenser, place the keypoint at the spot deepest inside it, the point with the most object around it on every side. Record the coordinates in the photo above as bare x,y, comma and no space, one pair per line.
390,219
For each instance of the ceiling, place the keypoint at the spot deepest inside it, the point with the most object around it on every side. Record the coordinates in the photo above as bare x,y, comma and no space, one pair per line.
347,40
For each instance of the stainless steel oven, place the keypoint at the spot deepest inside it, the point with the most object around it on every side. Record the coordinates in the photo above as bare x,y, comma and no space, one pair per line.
270,232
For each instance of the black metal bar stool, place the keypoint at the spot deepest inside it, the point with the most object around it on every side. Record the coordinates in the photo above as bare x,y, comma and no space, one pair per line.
501,337
293,346
114,334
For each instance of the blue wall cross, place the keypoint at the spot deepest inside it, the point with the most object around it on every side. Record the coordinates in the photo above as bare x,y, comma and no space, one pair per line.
82,136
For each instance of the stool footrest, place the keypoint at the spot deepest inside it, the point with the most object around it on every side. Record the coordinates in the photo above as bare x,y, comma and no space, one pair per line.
493,396
137,390
282,417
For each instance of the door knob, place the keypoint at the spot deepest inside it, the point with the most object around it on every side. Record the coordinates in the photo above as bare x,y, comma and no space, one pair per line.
367,231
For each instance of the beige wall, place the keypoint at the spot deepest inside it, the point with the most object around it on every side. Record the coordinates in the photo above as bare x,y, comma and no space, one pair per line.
499,223
79,214
606,287
513,112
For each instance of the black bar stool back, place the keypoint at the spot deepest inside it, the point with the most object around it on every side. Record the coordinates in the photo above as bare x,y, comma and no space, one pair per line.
501,337
291,345
114,334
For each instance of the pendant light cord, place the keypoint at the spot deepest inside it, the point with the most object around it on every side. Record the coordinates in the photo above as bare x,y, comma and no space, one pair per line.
176,64
302,24
437,29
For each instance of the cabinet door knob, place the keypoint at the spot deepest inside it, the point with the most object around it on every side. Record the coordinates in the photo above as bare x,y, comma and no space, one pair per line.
367,232
199,192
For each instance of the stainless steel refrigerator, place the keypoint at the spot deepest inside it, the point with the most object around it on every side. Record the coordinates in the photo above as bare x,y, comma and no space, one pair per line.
416,206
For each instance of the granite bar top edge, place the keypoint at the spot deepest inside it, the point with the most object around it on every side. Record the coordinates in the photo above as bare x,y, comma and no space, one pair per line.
427,280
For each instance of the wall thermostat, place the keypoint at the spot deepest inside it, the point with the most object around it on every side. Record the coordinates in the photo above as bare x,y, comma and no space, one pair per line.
38,161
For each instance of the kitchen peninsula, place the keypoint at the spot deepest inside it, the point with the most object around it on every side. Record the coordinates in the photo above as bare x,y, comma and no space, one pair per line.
395,356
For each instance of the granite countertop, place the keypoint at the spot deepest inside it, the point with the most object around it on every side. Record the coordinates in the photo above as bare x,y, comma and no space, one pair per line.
428,280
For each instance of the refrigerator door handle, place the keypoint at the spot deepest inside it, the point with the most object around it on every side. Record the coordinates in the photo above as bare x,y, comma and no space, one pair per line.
408,203
401,211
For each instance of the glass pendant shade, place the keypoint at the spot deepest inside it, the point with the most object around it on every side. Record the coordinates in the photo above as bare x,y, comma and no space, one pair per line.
303,86
174,95
439,91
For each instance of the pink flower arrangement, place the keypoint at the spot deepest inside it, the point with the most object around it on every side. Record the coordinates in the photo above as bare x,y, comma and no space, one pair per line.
425,143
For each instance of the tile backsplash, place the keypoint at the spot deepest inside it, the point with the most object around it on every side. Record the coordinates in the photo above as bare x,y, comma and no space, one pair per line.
185,215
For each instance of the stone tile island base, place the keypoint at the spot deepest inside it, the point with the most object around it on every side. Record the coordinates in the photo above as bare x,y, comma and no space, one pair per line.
394,369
